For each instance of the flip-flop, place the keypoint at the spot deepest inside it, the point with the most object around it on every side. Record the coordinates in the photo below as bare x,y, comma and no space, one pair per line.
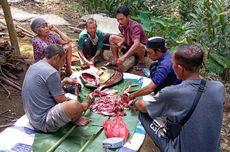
110,64
146,72
139,66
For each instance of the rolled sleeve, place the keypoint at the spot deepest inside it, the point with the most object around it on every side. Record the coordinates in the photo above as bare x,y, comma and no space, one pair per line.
136,33
158,106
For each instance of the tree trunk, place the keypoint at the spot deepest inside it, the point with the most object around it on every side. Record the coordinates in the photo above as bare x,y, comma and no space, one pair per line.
10,26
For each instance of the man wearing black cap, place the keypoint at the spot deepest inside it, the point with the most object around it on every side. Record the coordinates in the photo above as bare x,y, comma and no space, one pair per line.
192,110
161,73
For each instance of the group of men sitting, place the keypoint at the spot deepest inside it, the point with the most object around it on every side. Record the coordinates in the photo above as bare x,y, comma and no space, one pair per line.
174,86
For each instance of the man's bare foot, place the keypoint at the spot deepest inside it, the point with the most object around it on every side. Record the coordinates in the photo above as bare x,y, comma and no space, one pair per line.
82,121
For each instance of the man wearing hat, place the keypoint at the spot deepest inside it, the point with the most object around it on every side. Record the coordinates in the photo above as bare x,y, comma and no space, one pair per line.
47,35
192,110
161,73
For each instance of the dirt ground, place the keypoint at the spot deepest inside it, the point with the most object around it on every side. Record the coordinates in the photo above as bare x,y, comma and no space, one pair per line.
11,108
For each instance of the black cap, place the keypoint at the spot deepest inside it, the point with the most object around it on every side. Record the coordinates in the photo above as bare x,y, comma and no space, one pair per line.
156,43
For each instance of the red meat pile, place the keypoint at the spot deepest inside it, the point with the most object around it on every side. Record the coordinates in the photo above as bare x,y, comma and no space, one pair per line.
106,103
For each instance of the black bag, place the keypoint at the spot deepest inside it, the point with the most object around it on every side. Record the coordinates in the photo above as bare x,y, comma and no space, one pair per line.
173,128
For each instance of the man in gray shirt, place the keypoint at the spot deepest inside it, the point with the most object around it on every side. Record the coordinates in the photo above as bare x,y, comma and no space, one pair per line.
43,97
201,133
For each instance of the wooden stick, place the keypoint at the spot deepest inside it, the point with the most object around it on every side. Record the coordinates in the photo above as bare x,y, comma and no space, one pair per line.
4,112
7,125
6,72
24,30
8,92
76,30
10,83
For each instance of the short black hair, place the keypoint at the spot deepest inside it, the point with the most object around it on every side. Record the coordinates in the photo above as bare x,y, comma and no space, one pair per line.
123,10
90,21
189,56
53,50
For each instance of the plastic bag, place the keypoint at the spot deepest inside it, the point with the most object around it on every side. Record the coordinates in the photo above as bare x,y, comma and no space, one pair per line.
116,128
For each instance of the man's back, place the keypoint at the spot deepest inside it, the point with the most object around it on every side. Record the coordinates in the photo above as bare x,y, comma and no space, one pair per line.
202,130
37,92
201,133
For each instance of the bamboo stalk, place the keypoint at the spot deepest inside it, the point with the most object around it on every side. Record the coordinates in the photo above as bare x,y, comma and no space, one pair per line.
90,140
51,149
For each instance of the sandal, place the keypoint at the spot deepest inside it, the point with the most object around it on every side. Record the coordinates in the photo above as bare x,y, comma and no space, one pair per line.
139,66
110,64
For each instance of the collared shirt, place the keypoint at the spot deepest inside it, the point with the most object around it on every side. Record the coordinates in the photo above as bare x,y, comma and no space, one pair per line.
162,73
134,31
84,34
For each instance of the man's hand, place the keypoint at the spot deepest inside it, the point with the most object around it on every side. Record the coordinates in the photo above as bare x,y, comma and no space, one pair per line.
121,60
92,61
120,45
125,97
88,101
69,81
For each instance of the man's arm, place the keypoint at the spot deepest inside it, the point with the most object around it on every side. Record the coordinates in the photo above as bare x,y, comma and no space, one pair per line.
130,52
60,99
65,81
94,57
81,55
132,49
143,91
139,105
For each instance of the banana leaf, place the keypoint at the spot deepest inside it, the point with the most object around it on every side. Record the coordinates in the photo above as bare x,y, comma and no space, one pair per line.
81,136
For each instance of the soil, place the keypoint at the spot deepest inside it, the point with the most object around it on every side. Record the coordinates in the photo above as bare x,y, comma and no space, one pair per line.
11,108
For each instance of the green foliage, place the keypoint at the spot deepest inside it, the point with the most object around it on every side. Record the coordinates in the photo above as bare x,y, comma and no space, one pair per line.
186,7
109,6
181,21
166,27
209,26
76,7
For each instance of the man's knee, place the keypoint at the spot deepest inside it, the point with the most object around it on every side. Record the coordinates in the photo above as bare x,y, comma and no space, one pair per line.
114,39
73,108
67,47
